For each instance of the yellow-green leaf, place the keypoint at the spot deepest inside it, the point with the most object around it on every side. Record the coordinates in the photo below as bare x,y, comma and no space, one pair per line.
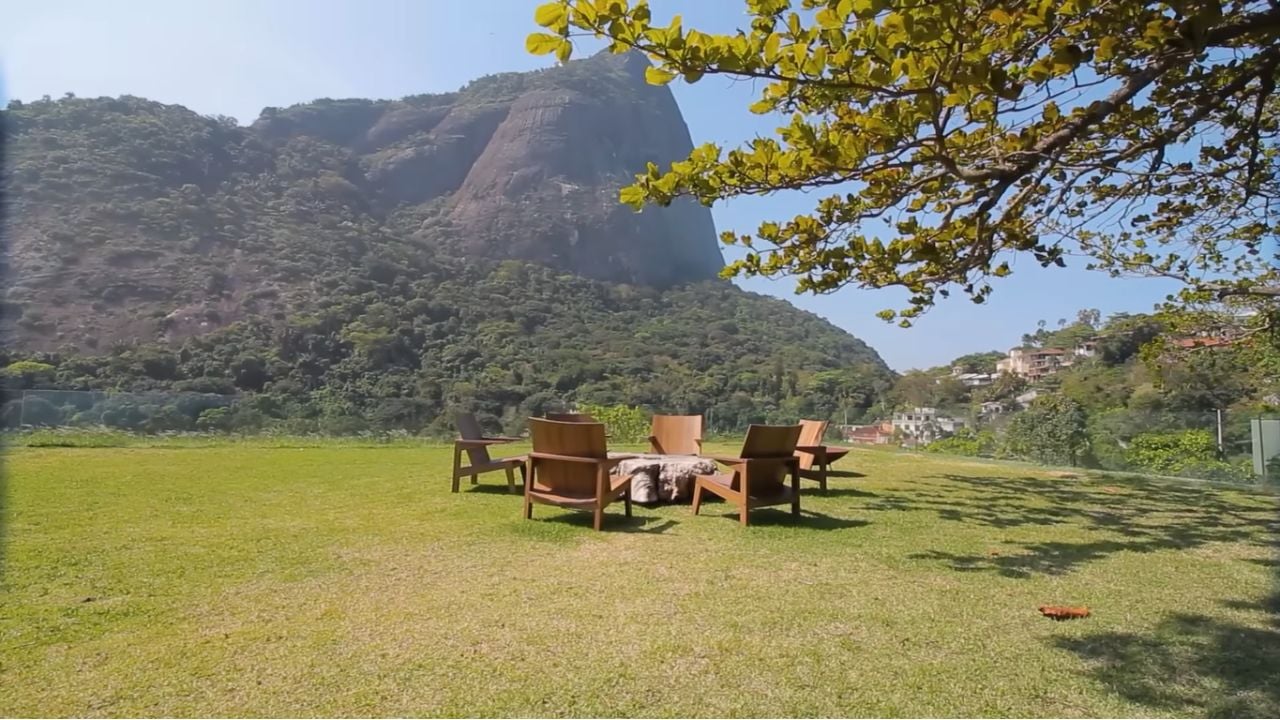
999,15
632,195
657,76
549,14
564,51
542,43
1106,49
771,47
828,18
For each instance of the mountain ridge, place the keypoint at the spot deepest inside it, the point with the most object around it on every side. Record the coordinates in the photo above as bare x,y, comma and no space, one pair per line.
415,246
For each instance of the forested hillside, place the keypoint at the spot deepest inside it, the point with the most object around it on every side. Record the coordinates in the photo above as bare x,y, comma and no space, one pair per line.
356,264
1146,398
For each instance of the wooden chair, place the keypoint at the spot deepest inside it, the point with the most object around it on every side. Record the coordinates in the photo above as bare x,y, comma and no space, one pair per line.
571,417
676,435
472,439
816,458
757,480
570,468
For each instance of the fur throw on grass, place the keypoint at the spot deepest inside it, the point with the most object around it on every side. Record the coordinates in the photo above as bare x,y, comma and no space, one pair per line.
663,478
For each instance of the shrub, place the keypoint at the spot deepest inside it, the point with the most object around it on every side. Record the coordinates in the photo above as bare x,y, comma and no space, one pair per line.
965,441
1052,430
626,424
25,374
1170,452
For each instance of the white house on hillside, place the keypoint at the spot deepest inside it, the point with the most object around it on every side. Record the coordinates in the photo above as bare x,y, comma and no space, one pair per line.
925,423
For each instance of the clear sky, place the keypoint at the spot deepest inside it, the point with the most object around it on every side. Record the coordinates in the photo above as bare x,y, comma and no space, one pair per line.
234,57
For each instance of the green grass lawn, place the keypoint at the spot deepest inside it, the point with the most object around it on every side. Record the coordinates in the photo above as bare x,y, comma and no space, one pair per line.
269,581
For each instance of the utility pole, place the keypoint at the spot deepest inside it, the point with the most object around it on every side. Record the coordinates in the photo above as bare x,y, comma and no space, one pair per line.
1222,452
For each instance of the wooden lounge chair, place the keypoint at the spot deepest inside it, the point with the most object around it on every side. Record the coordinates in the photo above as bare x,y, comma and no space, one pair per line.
472,439
570,468
816,458
758,474
676,435
571,417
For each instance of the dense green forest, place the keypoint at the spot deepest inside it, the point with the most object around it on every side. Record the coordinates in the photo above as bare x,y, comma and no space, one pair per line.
283,277
509,342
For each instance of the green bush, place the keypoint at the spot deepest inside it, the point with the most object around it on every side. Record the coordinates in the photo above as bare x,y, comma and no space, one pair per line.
1170,452
965,441
626,424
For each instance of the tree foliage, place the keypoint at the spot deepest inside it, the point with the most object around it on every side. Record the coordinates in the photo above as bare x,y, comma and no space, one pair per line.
951,136
1052,430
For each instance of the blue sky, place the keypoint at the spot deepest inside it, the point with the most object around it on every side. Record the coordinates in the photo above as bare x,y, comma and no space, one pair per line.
234,57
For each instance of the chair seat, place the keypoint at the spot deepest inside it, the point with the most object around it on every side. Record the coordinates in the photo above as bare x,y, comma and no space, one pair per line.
835,453
543,494
725,481
495,464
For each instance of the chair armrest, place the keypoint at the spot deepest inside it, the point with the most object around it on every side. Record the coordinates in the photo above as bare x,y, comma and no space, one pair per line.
607,462
615,460
479,443
727,460
503,439
564,458
811,448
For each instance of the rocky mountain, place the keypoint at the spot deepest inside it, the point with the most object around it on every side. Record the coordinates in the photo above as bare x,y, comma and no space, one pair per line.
332,241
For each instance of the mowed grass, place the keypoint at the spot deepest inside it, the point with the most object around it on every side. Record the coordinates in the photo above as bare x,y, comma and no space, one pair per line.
268,581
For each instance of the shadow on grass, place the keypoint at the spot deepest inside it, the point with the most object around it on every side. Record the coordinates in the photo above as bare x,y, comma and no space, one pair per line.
781,517
839,492
1137,515
493,490
1189,665
613,521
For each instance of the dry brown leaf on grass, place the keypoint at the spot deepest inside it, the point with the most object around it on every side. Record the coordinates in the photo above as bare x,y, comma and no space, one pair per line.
1063,612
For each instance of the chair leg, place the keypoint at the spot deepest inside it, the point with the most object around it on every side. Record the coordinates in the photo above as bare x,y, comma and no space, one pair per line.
511,479
697,496
744,513
475,479
795,492
598,521
528,499
626,501
822,475
457,463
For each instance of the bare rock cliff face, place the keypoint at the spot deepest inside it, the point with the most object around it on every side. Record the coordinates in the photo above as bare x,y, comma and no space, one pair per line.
545,188
530,165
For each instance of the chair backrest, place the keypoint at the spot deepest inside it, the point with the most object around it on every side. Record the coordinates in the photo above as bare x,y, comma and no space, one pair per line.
677,434
577,439
571,417
811,433
469,429
769,442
